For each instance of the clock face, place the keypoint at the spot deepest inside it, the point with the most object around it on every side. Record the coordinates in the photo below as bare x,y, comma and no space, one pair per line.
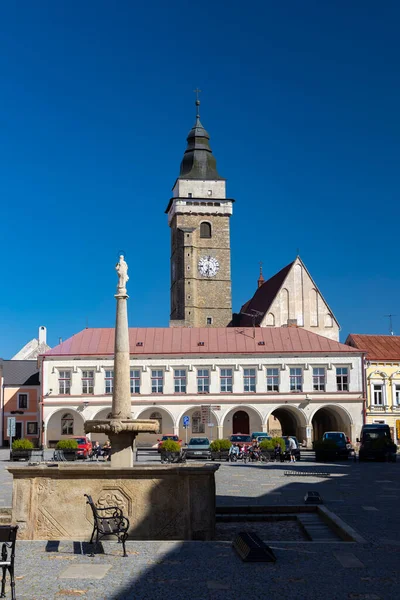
208,266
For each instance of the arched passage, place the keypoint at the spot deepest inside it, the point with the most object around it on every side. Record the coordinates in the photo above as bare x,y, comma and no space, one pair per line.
330,418
164,419
196,427
63,424
235,419
287,421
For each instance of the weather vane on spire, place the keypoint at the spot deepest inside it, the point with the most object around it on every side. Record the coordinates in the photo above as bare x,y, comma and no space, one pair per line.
197,92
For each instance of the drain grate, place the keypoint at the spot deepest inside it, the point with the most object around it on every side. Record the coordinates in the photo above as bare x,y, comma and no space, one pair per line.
306,474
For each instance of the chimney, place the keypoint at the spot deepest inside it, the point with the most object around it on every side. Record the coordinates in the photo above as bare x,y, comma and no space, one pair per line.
42,335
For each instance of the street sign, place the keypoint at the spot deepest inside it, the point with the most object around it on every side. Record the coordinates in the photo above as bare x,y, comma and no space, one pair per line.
186,421
205,413
11,425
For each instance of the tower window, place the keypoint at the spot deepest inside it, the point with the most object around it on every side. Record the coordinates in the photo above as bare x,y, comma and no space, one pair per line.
190,195
205,230
209,320
209,193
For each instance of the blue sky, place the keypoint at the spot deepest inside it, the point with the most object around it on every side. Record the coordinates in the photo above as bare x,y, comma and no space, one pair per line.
302,103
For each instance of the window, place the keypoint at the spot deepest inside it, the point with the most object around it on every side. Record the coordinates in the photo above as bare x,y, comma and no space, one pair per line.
296,379
157,417
87,382
203,381
342,379
67,424
157,382
319,379
190,195
135,381
209,193
249,379
180,381
205,230
31,428
272,380
109,382
64,382
226,380
397,394
23,401
197,425
209,320
377,396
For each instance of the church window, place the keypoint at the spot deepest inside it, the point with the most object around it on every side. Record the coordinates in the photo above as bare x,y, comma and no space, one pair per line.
135,381
203,381
197,425
190,195
180,381
296,379
319,379
157,382
109,382
209,193
205,230
273,380
270,321
342,379
226,380
209,320
87,382
64,382
67,424
328,320
249,378
157,417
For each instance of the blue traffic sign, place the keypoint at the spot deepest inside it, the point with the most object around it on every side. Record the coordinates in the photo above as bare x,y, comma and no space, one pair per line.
186,421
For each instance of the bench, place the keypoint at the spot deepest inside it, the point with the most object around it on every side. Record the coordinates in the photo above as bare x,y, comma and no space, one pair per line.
112,523
8,536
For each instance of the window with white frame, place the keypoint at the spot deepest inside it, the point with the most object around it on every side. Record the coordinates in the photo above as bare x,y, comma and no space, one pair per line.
67,424
296,379
203,381
197,425
32,428
23,401
64,382
249,380
108,382
272,380
157,381
180,381
87,382
377,394
342,379
226,379
135,381
397,394
319,379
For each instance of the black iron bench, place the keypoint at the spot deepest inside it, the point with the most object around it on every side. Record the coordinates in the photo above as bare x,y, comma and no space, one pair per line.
113,523
8,536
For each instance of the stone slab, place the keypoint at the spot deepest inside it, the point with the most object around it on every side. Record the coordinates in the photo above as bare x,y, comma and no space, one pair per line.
85,571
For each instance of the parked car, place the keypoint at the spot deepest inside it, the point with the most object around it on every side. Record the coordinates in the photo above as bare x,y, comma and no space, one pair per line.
241,438
256,434
171,436
198,448
84,446
343,448
376,443
296,452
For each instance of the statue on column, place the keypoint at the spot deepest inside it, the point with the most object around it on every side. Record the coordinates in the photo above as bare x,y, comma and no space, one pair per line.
122,270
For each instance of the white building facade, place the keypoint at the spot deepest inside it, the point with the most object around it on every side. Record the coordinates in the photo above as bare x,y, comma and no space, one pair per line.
283,380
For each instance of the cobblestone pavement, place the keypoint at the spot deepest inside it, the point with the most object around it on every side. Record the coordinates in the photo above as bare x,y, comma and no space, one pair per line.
366,496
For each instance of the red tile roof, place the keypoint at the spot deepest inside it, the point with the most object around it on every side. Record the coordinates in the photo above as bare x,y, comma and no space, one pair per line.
378,347
182,340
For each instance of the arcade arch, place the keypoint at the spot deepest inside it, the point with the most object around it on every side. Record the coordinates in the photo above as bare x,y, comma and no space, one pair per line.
241,419
287,420
62,424
331,418
196,427
163,417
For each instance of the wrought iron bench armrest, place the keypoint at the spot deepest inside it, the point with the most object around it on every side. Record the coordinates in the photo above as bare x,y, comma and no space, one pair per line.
117,511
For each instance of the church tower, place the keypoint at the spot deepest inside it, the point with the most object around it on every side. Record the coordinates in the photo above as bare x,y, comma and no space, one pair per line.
198,215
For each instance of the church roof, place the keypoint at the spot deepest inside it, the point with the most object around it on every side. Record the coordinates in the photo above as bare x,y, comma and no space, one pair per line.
378,347
262,299
198,161
164,341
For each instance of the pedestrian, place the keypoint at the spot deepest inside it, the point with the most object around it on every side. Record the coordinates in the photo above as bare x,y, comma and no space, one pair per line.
292,446
96,450
107,450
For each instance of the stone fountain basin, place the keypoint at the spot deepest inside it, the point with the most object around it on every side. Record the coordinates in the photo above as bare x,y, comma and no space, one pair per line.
162,502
